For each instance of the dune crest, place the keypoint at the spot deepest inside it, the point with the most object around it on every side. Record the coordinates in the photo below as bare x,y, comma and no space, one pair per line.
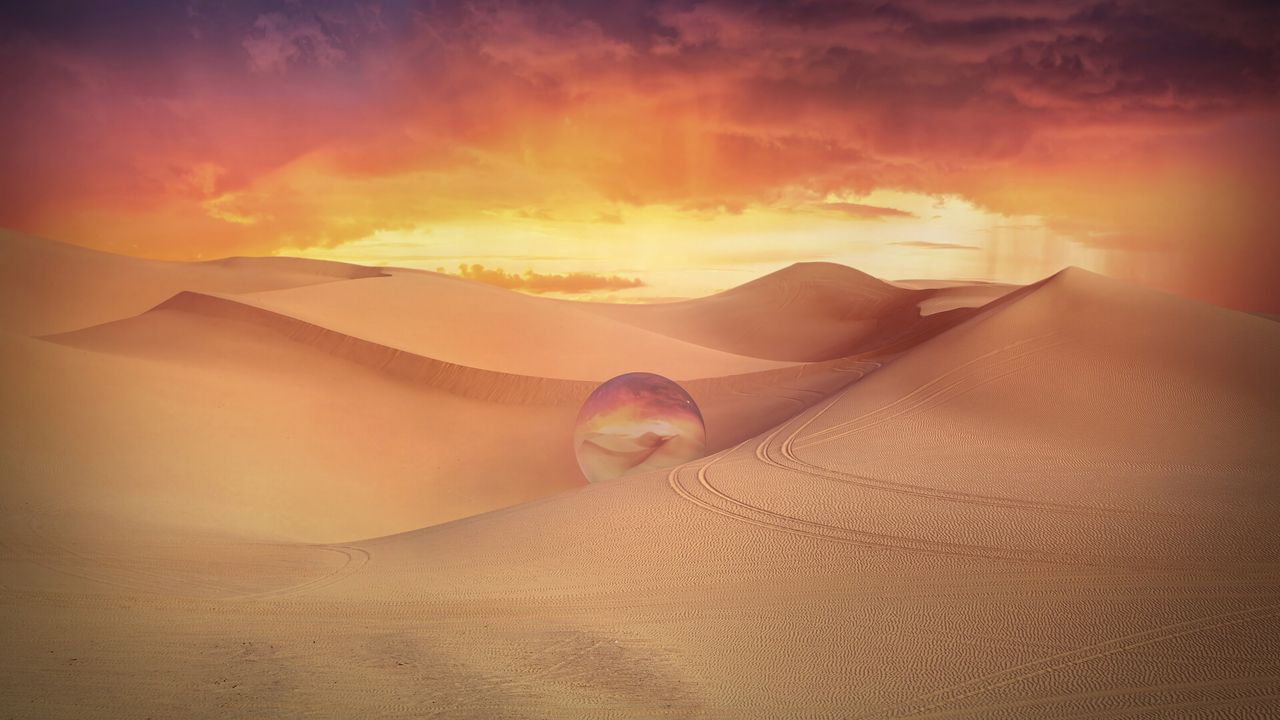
161,331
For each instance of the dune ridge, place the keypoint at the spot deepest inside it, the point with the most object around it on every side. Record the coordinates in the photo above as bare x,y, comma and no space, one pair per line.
313,267
461,380
480,384
482,326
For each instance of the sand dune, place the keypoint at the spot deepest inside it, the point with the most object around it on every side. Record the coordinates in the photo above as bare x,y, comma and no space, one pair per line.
479,326
240,432
281,427
316,436
806,312
48,287
1050,511
193,328
1060,505
963,296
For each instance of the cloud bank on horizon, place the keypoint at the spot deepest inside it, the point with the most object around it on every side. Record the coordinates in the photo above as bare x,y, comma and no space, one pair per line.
1143,135
535,282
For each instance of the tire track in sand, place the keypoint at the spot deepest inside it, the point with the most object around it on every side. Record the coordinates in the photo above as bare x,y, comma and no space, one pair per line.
940,395
1126,693
356,559
993,681
931,388
705,495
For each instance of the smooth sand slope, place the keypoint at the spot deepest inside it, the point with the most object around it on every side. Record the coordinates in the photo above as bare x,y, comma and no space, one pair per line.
1063,506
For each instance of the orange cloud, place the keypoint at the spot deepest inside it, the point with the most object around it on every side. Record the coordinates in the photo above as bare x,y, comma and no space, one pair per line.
534,282
196,130
928,245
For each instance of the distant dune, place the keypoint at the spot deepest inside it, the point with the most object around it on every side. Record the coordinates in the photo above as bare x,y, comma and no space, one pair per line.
49,287
1056,501
806,312
480,326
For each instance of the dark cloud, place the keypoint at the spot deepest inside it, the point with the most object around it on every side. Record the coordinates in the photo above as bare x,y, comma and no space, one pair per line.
276,41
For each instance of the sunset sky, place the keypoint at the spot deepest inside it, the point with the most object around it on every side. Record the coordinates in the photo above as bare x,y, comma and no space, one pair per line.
643,150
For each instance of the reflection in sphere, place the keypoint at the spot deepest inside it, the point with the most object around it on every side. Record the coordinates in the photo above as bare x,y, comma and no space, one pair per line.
638,421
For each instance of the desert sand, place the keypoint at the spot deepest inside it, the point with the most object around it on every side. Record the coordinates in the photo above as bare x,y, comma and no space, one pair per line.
264,487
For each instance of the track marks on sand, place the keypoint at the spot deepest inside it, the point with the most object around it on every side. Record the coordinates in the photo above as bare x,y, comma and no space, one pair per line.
776,451
706,495
783,455
937,700
959,380
354,560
